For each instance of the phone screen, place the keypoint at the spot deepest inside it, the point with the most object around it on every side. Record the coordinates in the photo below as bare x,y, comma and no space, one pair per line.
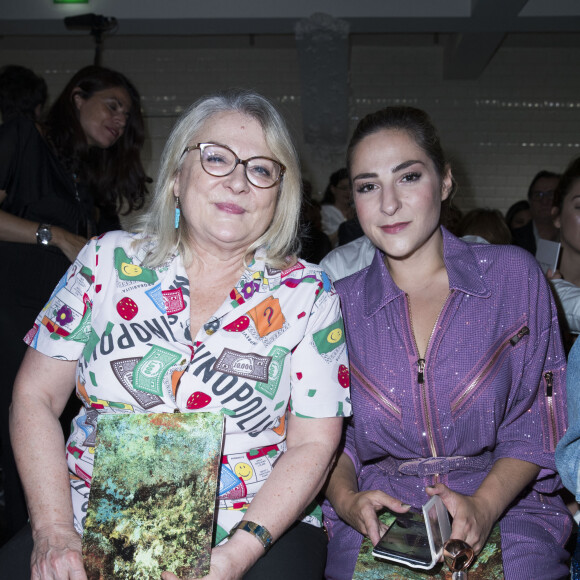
406,539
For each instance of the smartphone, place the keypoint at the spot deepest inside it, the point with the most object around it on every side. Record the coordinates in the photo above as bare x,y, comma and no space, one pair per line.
414,540
405,541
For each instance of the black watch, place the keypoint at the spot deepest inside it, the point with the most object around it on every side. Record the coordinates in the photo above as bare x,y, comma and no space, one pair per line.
43,234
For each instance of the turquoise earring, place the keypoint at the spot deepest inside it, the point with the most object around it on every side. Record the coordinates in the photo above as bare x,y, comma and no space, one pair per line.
177,212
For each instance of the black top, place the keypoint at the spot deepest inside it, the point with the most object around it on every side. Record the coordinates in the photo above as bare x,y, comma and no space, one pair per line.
38,188
524,237
37,185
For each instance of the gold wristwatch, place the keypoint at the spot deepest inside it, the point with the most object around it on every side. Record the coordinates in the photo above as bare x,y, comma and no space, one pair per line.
260,532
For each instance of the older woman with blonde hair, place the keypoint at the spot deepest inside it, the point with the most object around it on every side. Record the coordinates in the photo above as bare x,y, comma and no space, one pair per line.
208,278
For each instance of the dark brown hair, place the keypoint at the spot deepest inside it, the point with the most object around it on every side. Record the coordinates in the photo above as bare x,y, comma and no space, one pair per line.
415,122
334,180
21,92
488,224
115,176
514,209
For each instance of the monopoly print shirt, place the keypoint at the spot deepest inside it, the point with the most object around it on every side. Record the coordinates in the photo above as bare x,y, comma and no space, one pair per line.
275,345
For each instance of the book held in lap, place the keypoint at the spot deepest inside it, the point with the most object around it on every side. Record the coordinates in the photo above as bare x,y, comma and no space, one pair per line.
153,495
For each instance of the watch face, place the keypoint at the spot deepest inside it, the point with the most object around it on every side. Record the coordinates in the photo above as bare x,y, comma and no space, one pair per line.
43,235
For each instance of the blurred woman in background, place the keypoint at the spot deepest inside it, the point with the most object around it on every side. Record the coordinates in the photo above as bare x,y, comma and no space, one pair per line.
61,182
336,204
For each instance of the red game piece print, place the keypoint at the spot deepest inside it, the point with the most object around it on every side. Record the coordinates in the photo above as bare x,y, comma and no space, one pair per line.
238,325
343,377
127,308
198,400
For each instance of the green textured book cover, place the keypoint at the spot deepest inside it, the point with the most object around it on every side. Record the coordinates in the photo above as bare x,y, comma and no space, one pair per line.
153,495
487,566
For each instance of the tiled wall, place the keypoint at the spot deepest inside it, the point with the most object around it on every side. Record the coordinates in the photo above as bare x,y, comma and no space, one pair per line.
521,115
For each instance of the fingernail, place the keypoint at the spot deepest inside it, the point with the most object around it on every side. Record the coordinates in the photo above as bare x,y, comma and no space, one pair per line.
405,505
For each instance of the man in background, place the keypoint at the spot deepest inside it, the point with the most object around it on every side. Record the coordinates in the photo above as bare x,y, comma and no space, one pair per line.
540,196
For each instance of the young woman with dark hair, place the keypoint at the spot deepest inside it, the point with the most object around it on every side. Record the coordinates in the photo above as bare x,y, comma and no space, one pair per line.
104,156
457,368
61,182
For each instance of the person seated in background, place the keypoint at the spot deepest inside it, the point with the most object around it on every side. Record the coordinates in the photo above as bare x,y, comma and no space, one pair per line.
55,176
358,254
213,261
540,196
348,259
484,226
566,217
22,92
349,231
518,215
315,243
336,204
451,216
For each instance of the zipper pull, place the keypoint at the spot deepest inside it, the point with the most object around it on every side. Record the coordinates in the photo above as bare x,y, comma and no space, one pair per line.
515,339
549,383
421,373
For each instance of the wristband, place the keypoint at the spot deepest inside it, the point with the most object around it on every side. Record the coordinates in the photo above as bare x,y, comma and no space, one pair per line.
259,532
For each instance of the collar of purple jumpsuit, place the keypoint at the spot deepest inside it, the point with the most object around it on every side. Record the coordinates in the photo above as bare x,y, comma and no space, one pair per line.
462,266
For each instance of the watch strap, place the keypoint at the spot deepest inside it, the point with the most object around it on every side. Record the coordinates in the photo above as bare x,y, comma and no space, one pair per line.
258,531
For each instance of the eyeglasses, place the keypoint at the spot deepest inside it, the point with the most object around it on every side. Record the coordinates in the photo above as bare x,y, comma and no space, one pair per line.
542,195
219,161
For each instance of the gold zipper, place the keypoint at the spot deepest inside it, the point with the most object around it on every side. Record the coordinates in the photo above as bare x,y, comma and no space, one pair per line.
421,363
549,378
513,341
376,393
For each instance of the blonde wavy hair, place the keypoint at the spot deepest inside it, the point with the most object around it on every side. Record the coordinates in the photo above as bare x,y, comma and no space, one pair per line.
280,240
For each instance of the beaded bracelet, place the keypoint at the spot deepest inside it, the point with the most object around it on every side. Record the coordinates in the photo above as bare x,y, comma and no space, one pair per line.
258,531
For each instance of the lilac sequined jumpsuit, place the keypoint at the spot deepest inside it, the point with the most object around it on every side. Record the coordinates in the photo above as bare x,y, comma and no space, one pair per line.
492,385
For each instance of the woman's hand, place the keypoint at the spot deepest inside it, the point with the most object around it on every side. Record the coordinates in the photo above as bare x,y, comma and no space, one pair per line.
57,554
70,244
473,518
359,510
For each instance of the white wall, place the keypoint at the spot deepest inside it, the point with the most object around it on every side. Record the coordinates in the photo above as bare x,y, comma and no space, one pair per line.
521,115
